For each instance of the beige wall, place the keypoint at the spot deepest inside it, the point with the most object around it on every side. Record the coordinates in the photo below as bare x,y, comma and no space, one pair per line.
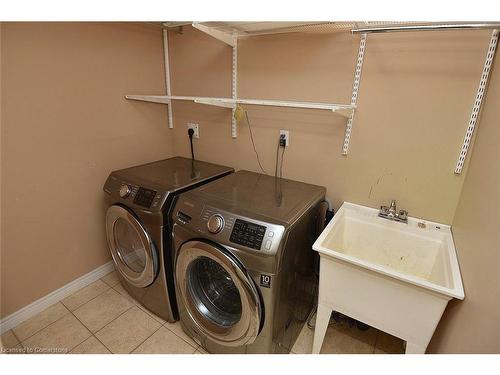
65,126
416,94
473,326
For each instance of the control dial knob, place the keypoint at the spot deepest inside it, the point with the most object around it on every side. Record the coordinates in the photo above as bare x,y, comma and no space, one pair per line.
215,224
124,191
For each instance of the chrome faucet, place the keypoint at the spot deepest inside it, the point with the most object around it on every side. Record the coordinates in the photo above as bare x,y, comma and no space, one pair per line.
391,213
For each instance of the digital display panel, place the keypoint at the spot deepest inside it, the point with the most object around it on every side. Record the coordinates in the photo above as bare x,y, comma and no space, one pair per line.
248,234
144,197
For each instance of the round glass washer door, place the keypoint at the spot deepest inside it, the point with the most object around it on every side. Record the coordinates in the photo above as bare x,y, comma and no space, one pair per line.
220,297
131,247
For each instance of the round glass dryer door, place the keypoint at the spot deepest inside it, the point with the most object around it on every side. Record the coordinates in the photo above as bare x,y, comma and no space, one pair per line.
220,297
131,247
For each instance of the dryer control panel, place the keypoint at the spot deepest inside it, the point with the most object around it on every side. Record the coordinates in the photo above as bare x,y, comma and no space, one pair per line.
130,193
144,197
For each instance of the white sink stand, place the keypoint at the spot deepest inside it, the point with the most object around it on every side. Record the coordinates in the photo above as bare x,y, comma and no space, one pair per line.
407,313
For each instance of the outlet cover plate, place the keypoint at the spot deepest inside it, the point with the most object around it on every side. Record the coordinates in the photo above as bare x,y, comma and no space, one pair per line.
285,134
196,129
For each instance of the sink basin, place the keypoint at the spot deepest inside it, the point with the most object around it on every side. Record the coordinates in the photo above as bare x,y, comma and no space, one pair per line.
395,276
420,252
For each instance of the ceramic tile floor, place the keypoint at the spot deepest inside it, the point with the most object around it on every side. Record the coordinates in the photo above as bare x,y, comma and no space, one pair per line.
102,318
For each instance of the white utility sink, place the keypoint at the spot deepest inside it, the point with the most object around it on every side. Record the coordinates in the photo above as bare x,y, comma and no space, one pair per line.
394,276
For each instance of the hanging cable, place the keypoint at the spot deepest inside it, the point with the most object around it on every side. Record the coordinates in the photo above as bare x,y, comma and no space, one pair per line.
277,158
278,179
281,166
253,143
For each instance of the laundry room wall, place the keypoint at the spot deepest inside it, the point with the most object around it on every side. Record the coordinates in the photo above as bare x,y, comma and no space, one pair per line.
473,325
414,104
65,126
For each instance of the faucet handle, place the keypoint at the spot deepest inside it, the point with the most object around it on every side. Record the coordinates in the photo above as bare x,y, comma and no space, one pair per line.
403,214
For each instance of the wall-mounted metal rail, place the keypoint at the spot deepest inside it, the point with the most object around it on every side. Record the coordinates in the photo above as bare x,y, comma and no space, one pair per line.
427,27
234,85
344,110
478,102
355,91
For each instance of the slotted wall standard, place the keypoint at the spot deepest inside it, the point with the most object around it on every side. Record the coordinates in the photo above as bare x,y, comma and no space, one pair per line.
478,102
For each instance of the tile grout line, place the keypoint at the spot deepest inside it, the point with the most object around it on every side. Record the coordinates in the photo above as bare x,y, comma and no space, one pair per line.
111,286
130,308
17,338
134,305
48,325
69,311
72,313
178,335
91,333
128,296
94,333
97,338
143,341
137,305
93,298
111,321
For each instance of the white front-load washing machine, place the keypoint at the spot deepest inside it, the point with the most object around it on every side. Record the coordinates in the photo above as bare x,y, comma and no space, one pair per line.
138,226
244,267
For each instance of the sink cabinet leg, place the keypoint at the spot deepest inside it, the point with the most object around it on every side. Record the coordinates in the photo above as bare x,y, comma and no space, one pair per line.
322,319
412,348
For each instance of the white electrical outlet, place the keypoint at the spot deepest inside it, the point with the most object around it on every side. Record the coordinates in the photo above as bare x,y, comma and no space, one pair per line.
196,129
285,135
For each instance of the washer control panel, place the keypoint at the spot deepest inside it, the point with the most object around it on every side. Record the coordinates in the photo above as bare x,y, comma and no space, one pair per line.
226,227
247,234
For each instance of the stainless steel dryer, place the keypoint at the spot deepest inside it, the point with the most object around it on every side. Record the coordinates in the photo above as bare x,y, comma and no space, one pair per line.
138,226
243,261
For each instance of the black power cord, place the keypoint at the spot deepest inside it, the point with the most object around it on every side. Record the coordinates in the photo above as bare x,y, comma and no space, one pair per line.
253,143
278,171
191,133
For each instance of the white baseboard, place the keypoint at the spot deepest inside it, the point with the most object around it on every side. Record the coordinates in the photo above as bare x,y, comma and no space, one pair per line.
41,304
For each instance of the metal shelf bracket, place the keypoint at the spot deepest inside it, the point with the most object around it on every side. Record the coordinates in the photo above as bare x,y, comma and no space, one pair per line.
225,37
355,90
476,108
167,77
